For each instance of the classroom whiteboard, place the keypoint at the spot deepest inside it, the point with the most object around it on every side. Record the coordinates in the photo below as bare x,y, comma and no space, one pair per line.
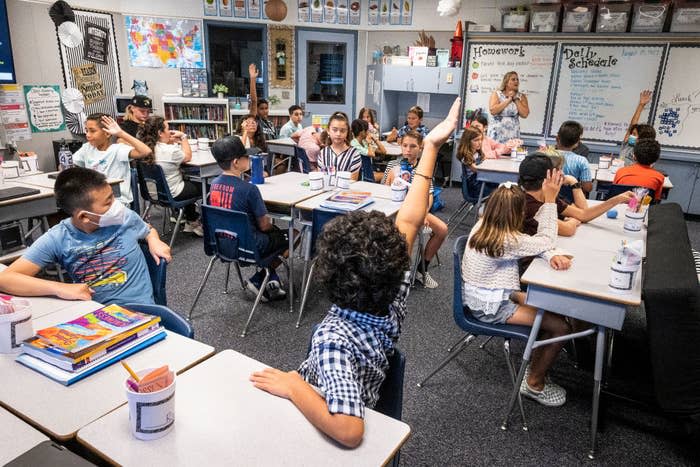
677,116
598,85
534,63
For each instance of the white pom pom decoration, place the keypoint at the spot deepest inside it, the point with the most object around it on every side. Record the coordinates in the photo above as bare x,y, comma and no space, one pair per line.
448,7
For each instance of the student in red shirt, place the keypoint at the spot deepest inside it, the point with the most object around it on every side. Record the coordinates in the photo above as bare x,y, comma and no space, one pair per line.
641,173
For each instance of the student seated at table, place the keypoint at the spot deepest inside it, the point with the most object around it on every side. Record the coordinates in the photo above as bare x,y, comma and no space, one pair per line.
97,245
339,156
251,133
414,121
112,160
362,265
363,142
370,116
469,154
491,286
230,191
642,173
635,130
533,172
490,148
260,108
311,141
568,138
296,114
170,149
405,168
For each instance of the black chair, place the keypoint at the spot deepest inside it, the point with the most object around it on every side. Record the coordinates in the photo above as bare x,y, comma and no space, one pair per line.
157,273
473,327
168,318
615,190
367,172
135,204
302,159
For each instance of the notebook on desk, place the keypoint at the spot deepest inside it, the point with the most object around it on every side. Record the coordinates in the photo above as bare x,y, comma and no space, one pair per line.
16,192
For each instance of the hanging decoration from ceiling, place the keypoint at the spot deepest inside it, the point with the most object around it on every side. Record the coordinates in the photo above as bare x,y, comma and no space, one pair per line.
63,17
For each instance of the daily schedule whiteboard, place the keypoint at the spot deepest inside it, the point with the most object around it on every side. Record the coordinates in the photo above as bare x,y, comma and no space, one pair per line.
487,62
677,117
598,85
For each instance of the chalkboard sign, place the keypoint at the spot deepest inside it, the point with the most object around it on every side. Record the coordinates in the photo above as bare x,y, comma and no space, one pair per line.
534,63
677,116
598,85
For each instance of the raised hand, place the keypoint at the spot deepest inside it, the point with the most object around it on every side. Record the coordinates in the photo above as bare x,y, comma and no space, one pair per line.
445,128
110,125
253,71
645,97
551,185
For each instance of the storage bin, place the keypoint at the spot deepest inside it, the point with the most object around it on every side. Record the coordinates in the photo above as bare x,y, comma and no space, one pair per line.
613,16
686,16
515,20
649,17
578,17
545,17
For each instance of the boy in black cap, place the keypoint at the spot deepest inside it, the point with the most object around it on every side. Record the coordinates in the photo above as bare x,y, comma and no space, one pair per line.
137,112
533,171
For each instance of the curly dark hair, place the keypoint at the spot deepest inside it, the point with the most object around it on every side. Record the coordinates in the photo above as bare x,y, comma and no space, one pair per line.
149,133
361,260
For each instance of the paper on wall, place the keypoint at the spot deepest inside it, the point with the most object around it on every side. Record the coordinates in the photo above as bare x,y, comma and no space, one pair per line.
423,101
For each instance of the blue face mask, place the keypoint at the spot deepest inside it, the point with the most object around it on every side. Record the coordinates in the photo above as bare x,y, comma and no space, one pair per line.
631,140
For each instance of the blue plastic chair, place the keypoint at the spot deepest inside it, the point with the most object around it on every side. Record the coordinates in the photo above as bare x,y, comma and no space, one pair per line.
473,327
135,204
229,238
319,218
615,190
303,159
470,195
168,318
367,172
153,173
157,273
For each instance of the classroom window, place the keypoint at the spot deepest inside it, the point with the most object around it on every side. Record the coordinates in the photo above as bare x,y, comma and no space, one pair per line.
325,78
231,49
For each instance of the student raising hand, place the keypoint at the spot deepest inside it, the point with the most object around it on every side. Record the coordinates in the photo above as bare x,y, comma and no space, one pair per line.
111,126
551,185
253,72
645,97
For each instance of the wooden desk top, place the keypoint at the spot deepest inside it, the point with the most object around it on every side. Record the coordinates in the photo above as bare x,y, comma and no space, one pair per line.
60,410
16,437
222,419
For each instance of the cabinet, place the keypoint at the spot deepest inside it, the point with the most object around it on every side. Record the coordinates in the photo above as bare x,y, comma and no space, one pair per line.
420,79
198,117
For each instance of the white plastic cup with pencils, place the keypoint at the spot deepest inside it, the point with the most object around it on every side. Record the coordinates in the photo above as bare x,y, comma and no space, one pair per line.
316,181
151,398
625,266
15,324
637,208
343,180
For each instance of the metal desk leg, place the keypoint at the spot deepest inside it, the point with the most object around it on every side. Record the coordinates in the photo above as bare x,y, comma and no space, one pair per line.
481,198
203,181
597,376
290,259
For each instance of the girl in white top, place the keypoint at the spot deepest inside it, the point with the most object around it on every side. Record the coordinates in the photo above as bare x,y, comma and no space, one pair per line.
491,286
170,149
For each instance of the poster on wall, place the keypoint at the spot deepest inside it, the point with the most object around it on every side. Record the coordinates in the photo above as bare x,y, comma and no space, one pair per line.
194,82
87,81
342,11
253,8
384,12
303,11
44,104
210,8
329,12
264,4
407,12
395,13
13,113
316,11
164,42
96,43
239,9
373,12
225,8
355,8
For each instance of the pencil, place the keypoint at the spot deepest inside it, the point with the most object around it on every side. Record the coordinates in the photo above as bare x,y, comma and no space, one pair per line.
131,372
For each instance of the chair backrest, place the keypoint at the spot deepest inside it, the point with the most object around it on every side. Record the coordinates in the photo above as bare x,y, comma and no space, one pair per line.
168,318
470,186
157,273
367,172
566,193
300,154
135,204
153,173
617,189
228,235
319,218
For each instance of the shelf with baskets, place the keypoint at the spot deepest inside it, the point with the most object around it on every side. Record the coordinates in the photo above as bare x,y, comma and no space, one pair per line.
198,117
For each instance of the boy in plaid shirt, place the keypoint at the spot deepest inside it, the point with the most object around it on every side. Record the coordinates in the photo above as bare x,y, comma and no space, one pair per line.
362,262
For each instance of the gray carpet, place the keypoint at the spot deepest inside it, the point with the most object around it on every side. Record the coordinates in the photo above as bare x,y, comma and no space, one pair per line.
455,418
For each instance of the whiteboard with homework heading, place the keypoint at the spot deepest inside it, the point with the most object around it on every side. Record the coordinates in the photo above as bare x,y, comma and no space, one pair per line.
487,62
677,117
598,85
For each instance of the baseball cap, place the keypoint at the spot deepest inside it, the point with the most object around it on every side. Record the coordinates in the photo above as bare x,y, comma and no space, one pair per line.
534,167
229,148
143,102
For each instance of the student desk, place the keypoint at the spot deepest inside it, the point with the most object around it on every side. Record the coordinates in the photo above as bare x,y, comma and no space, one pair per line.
283,146
281,193
43,180
384,205
392,149
378,190
582,292
38,205
222,419
16,437
499,170
60,411
42,306
201,168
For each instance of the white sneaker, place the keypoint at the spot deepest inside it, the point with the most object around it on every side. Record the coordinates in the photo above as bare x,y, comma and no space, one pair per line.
173,219
274,290
194,227
428,281
552,395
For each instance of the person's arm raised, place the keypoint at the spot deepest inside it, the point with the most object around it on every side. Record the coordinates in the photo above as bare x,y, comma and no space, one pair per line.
411,216
644,98
253,72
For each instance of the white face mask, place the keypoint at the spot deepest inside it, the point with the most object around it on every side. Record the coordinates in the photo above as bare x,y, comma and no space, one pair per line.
114,216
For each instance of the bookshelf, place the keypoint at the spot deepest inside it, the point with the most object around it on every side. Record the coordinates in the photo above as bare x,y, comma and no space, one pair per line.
198,117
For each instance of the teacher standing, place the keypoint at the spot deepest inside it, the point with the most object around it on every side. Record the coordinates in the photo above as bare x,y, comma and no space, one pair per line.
506,106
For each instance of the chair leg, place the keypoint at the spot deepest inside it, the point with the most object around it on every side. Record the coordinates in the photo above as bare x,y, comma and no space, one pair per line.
165,220
419,257
306,292
459,210
483,344
228,273
177,227
257,300
240,275
201,285
459,341
453,226
511,370
146,211
461,346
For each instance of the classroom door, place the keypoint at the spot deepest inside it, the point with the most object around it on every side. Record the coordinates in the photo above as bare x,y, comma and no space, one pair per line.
326,72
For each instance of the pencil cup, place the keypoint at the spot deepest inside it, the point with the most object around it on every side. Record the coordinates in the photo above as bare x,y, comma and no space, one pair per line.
344,180
203,143
634,221
398,193
622,277
16,327
29,163
151,414
316,181
194,144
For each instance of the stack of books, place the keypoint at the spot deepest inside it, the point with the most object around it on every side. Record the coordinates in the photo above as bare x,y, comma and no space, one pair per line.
347,201
69,352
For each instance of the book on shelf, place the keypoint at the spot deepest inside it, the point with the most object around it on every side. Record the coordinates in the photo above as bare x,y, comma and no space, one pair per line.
67,378
214,112
346,201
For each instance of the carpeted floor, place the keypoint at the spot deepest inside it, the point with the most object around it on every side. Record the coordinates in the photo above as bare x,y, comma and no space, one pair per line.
455,419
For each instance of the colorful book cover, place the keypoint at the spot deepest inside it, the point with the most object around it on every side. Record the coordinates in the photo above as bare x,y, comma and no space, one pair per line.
93,328
348,201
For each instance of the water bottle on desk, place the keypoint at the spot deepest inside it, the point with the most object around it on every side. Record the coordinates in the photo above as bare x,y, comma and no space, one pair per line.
257,176
65,157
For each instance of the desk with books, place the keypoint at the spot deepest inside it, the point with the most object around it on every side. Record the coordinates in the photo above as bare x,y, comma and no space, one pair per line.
16,437
377,189
221,418
60,411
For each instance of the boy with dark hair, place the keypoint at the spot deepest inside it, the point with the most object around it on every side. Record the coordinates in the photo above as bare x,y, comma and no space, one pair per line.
568,138
260,107
97,245
296,115
646,153
533,171
363,260
230,191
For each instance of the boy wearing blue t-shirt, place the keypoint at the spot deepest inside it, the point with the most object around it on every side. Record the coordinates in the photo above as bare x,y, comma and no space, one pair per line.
97,246
568,139
230,191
